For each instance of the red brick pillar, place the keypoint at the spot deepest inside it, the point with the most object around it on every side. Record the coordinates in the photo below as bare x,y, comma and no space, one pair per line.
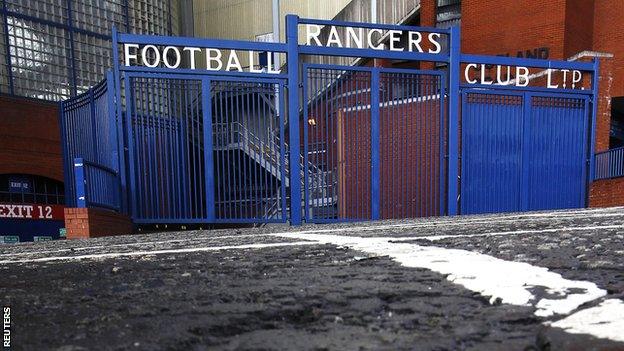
603,116
83,223
605,192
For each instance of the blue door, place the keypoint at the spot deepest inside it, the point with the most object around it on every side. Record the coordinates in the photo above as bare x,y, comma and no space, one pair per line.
523,151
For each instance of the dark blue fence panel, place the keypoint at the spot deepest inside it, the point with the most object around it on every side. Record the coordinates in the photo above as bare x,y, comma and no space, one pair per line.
337,144
250,169
88,128
491,149
557,152
609,164
373,143
412,135
523,151
166,150
93,185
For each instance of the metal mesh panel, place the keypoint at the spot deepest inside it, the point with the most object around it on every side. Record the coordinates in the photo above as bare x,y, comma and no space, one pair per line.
50,10
337,146
167,150
92,56
98,16
411,132
249,164
40,59
150,16
4,69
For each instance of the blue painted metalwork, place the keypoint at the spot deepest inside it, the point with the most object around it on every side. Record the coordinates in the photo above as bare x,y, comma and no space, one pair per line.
523,151
374,137
491,152
558,150
594,103
292,58
79,178
372,143
89,134
203,146
527,62
453,122
208,156
609,164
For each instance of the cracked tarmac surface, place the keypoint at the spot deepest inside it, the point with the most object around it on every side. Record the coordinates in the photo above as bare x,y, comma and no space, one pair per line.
252,289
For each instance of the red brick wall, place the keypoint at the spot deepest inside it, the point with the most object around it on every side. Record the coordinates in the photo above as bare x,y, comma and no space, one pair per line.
427,19
500,27
30,139
603,116
607,193
579,22
83,223
609,37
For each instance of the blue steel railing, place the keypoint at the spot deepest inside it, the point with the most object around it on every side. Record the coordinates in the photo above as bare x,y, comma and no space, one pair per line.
89,141
609,164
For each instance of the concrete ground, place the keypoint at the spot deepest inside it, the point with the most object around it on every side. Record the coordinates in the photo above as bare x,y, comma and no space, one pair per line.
534,281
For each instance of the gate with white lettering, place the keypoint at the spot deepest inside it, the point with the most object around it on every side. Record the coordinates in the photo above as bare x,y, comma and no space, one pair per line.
206,150
214,131
524,147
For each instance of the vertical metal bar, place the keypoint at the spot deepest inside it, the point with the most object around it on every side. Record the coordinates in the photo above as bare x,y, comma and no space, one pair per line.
306,146
526,150
592,146
453,120
375,169
441,180
72,54
131,197
233,159
66,160
127,15
282,161
8,48
292,38
79,175
208,153
94,132
121,136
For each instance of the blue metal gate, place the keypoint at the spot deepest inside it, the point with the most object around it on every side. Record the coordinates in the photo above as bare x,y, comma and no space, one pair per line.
205,150
523,151
208,145
373,143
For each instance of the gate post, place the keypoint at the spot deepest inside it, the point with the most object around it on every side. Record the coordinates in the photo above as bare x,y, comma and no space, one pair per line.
208,152
118,114
292,58
594,112
453,121
375,144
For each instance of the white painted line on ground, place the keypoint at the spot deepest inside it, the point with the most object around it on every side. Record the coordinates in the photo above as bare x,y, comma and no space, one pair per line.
193,240
379,227
514,232
603,321
157,252
494,278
